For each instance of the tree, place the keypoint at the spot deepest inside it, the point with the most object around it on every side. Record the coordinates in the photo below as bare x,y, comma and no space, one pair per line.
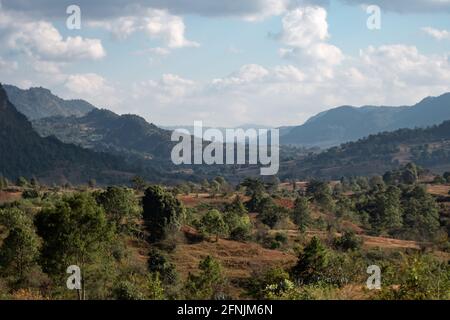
22,182
139,183
321,193
253,186
410,174
92,183
237,206
312,263
75,232
162,214
348,241
34,183
212,223
19,251
121,207
158,263
421,218
270,213
209,283
238,225
446,176
301,214
3,182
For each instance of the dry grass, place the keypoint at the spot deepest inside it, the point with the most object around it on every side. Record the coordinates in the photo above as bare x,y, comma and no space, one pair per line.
6,197
239,259
439,190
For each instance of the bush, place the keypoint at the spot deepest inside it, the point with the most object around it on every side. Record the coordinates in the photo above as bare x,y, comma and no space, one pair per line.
30,194
348,241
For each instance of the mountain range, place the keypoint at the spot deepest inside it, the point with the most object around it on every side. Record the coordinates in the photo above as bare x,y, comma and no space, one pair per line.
103,130
79,142
38,103
24,153
428,147
347,123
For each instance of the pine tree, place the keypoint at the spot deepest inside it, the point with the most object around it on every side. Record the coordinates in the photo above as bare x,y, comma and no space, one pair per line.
301,214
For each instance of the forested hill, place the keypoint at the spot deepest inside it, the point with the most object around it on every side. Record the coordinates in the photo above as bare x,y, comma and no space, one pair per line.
103,130
24,153
376,154
346,123
37,103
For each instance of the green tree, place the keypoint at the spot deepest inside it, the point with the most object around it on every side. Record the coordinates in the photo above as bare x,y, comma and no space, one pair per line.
121,207
75,232
238,225
348,241
421,218
212,223
139,183
312,263
321,193
446,176
19,251
3,182
301,214
158,263
209,283
22,182
163,213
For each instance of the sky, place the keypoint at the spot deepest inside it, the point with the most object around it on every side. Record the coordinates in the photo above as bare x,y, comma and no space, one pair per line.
228,63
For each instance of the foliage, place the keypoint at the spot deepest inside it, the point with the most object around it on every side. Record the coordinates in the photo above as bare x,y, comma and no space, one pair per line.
163,213
312,263
301,214
212,223
209,283
121,207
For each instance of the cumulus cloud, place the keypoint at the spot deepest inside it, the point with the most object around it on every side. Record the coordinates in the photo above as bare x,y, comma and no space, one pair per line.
436,33
304,36
41,40
288,94
8,66
158,24
92,87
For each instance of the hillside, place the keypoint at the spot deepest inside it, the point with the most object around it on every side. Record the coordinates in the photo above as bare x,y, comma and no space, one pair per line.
24,153
376,154
37,103
347,123
103,130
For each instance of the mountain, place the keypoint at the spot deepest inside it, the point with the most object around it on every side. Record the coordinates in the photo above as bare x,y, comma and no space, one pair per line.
37,103
103,130
376,154
24,153
347,123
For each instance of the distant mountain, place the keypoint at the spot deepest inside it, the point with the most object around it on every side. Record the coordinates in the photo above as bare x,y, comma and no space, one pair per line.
24,153
37,103
103,130
376,154
346,123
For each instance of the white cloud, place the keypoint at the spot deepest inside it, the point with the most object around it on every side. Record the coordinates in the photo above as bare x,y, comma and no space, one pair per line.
305,32
437,34
92,87
304,26
157,24
8,66
41,40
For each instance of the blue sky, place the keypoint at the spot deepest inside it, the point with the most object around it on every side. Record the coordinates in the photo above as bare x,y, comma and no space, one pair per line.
271,62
